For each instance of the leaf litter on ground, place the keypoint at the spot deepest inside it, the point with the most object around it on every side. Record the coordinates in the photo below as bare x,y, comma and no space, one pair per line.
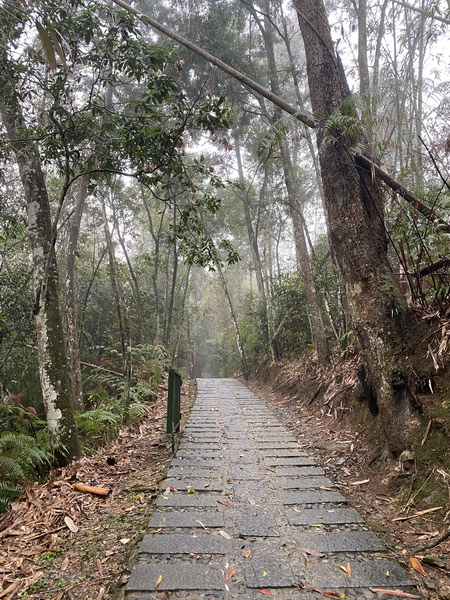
55,538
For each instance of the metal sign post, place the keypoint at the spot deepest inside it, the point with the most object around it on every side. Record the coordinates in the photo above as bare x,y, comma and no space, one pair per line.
173,405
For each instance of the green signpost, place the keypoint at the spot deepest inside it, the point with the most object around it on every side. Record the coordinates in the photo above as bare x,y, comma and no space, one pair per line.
173,405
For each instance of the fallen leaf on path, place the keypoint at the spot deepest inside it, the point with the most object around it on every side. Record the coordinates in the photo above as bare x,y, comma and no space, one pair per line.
158,580
327,594
230,573
312,552
164,595
64,564
71,525
125,541
229,504
247,553
225,535
417,566
266,592
349,569
400,593
360,482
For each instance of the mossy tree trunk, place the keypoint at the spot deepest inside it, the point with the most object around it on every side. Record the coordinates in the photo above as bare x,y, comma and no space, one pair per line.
353,201
53,364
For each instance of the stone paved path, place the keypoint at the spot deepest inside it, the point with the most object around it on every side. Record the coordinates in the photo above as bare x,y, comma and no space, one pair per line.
250,515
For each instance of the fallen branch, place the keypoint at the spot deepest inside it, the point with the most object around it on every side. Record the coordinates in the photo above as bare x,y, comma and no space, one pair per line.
91,489
418,514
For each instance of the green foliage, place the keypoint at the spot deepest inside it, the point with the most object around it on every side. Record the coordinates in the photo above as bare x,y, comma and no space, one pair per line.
97,427
290,316
20,457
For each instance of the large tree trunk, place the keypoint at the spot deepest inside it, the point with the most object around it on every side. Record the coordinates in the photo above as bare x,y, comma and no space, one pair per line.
53,364
353,202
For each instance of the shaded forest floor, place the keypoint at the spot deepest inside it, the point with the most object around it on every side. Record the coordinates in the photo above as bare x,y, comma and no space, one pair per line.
57,543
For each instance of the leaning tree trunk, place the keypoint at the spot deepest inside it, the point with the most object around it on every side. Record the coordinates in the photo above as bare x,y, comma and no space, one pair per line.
53,364
353,201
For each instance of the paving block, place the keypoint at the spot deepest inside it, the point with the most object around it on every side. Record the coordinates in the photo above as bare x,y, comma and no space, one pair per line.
192,518
199,485
187,500
297,471
304,483
381,573
268,567
182,543
310,497
298,461
193,473
340,541
256,522
197,462
245,473
276,444
174,577
315,516
282,453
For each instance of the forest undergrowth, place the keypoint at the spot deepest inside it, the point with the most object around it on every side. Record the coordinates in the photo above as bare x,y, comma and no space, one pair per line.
60,543
406,500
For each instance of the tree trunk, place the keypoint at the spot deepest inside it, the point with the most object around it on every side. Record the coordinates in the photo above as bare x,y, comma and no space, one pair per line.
239,341
53,364
134,281
256,259
353,202
71,313
122,313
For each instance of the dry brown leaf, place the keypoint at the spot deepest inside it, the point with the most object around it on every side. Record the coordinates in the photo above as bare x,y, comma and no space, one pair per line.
417,566
225,534
164,595
229,504
312,552
70,524
101,593
99,567
247,553
400,593
360,482
230,573
327,594
64,564
349,569
158,580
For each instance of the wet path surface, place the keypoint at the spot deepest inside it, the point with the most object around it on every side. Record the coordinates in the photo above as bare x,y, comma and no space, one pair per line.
247,514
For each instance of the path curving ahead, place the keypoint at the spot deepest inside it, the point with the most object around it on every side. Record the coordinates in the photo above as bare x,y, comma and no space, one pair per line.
250,515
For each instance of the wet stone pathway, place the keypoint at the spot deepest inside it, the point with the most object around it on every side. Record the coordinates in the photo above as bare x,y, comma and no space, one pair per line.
245,513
